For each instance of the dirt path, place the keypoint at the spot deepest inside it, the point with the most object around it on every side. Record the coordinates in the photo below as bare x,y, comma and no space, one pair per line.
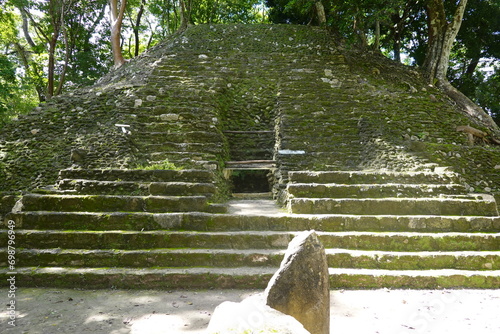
188,312
255,207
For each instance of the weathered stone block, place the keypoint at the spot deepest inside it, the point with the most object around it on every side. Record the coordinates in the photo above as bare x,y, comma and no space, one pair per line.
300,287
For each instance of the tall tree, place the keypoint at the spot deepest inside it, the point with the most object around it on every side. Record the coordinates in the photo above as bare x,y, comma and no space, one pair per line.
399,25
441,37
225,11
166,13
136,26
57,10
185,17
477,48
48,29
297,11
117,12
89,43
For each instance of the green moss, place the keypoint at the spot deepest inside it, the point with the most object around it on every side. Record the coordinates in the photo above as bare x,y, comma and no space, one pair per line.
164,165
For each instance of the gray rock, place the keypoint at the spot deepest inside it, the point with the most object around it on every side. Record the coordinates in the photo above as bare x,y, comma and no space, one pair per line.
300,287
78,155
252,315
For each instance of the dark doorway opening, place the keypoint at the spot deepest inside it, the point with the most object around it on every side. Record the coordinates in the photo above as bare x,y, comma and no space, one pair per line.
250,181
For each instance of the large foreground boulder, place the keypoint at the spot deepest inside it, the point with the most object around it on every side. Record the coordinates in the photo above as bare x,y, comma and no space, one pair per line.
300,287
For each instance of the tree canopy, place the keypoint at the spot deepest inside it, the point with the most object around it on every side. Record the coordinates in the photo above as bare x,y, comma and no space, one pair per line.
52,46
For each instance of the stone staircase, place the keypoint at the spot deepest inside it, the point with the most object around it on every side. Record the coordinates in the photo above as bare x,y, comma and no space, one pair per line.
296,109
383,193
408,229
413,231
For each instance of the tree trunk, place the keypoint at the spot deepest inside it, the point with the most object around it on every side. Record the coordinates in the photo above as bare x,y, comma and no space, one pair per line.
376,45
56,10
358,28
442,35
51,67
24,55
67,55
136,28
116,27
26,29
320,12
471,68
396,45
185,14
399,23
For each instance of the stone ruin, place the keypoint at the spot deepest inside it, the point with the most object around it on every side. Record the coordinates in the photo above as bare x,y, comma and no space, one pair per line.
126,183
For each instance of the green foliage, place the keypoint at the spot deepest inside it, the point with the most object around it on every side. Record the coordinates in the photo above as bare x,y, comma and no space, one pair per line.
486,94
475,60
16,96
164,165
7,82
226,11
290,11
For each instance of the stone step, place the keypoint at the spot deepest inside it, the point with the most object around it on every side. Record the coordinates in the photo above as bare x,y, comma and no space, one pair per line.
187,160
375,177
168,122
411,241
144,258
227,258
243,278
129,240
468,260
251,154
382,241
138,188
107,203
309,160
179,137
333,190
212,148
254,164
303,156
190,163
52,220
141,175
182,94
342,278
156,125
94,187
182,189
332,133
144,278
481,205
314,147
171,156
182,110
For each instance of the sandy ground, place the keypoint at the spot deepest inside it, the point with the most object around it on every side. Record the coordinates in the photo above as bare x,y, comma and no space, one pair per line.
188,312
